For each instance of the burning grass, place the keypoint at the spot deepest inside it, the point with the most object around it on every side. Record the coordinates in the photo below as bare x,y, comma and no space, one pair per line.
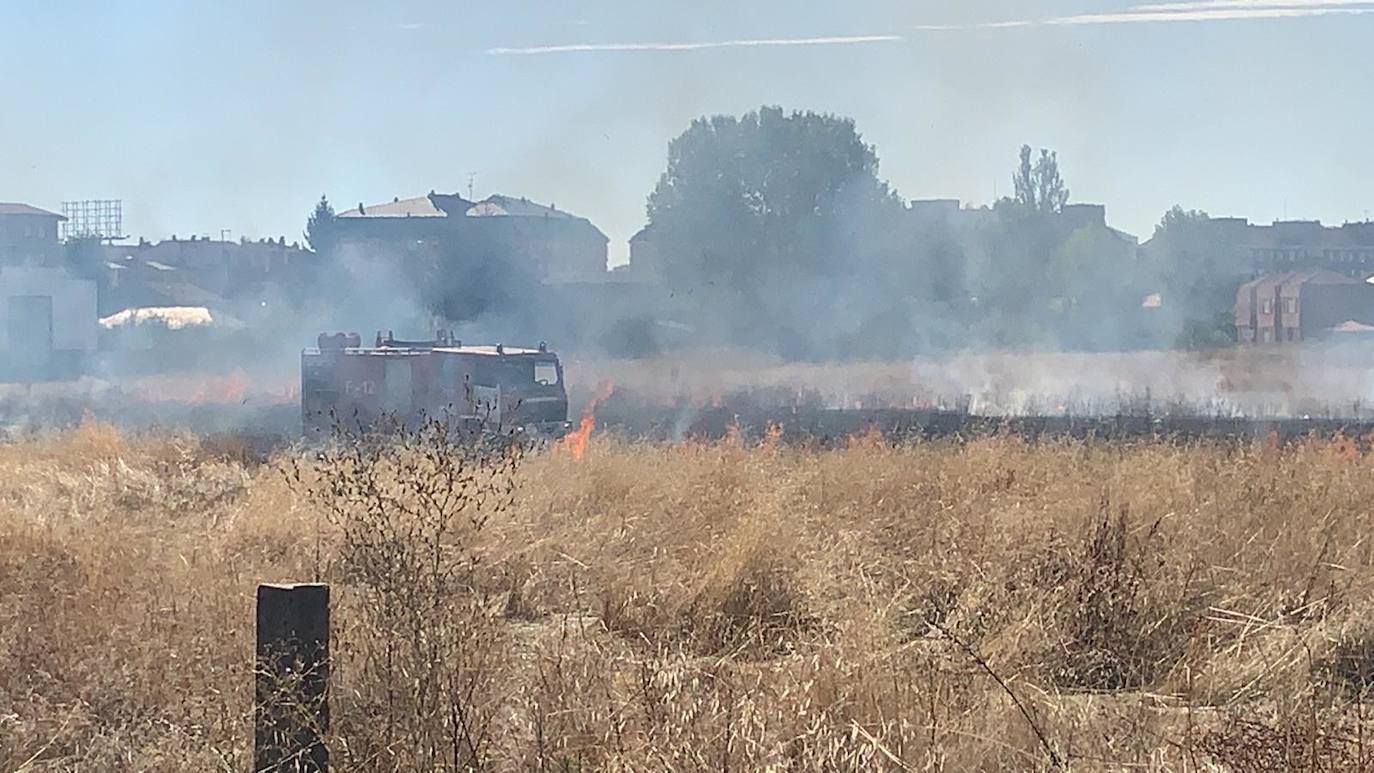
979,605
1313,379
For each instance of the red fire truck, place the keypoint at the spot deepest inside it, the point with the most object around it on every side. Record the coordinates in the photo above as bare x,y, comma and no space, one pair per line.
514,388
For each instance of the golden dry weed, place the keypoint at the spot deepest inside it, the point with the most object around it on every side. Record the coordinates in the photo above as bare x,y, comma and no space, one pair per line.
716,606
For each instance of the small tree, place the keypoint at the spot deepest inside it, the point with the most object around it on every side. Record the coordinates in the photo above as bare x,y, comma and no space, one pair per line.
1023,181
320,230
1038,185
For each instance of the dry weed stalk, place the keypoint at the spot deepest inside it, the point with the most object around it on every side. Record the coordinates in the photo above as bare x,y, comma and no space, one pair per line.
407,504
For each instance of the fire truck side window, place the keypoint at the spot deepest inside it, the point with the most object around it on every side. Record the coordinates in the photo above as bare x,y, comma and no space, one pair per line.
498,372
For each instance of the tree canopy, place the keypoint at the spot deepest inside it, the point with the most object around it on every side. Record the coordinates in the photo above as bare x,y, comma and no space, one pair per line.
1199,275
1038,185
319,228
772,222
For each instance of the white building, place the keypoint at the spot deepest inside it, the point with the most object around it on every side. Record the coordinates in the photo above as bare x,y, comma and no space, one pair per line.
48,328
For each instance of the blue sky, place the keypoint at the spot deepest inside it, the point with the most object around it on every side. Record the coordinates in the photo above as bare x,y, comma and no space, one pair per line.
239,115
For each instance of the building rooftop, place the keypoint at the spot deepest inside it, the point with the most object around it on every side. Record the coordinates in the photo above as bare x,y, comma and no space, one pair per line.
509,206
1240,232
16,208
446,205
1313,276
420,206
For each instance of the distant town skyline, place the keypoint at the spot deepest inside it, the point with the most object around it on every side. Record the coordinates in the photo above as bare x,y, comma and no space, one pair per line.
239,115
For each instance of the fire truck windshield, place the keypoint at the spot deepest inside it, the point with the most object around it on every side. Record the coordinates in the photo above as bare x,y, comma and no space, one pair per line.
546,373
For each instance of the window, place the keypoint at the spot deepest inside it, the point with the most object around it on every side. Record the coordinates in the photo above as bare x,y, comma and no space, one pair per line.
1290,305
545,373
1266,306
397,395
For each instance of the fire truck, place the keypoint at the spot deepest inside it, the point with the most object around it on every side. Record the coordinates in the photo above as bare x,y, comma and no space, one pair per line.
513,388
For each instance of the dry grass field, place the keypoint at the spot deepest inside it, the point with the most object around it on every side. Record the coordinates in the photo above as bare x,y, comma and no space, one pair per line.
980,605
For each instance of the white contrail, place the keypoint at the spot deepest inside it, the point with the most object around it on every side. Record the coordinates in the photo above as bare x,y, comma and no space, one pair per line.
697,46
1205,5
991,25
1189,11
1216,14
1194,11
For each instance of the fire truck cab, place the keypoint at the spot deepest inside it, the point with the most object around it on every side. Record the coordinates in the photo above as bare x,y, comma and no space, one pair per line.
509,387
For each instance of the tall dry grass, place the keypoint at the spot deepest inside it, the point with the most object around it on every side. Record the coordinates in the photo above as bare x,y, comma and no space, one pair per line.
980,605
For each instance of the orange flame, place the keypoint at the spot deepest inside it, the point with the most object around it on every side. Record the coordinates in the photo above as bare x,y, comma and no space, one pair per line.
1271,441
871,438
207,389
772,437
732,433
576,441
97,437
1345,448
229,389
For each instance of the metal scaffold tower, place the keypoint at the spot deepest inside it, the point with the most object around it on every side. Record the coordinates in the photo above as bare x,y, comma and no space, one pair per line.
93,218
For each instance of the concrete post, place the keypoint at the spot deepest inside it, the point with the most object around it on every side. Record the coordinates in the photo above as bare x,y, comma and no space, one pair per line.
292,706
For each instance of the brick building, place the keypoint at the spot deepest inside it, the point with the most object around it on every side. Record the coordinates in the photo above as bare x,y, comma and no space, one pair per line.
1300,306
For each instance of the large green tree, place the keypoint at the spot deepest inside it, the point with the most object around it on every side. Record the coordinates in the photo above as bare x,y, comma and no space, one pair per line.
777,225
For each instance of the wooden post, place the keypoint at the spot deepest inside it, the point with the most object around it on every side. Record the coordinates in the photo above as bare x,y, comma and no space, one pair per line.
292,706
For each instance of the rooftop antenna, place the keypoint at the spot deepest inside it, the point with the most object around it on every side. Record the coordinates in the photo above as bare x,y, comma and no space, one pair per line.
471,176
225,233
